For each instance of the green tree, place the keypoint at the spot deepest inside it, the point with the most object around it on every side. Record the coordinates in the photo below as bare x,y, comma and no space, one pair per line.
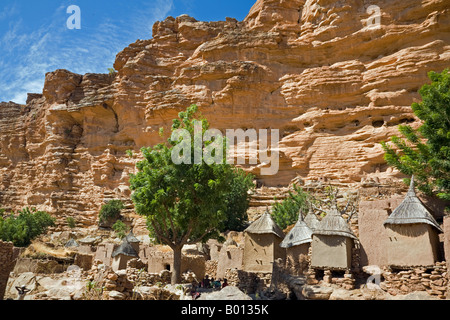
238,200
184,203
286,212
24,227
425,152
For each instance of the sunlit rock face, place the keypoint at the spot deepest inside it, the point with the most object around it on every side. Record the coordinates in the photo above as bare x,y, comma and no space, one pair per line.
329,75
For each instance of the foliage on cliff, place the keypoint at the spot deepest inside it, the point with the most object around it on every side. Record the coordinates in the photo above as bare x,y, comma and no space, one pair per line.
425,151
286,212
24,227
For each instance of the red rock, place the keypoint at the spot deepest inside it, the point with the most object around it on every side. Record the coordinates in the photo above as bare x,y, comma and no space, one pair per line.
334,89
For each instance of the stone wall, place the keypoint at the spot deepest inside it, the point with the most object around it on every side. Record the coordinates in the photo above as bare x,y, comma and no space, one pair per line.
344,280
433,280
8,256
211,268
132,283
248,282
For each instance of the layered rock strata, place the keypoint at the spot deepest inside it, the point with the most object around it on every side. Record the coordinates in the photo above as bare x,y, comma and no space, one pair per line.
322,72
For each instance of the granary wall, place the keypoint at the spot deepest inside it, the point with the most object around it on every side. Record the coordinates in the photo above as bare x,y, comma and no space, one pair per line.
298,259
411,245
230,257
372,233
333,252
260,250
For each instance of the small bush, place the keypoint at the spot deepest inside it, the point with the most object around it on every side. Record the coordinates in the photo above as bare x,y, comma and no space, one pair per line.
286,212
110,211
112,71
120,228
71,222
27,225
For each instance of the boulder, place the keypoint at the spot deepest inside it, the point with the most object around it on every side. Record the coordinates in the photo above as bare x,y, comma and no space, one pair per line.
116,295
317,292
227,293
418,295
155,293
89,240
27,279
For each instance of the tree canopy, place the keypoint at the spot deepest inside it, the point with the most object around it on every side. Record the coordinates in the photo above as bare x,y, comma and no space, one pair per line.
192,202
24,227
286,212
425,151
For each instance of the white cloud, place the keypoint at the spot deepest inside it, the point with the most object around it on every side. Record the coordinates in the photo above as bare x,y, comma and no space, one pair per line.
8,11
28,56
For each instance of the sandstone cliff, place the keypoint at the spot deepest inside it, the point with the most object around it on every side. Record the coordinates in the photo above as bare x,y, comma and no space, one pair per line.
312,68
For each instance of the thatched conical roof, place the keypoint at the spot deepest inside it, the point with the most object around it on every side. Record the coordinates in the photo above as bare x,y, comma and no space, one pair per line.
125,248
311,220
265,224
334,225
412,211
298,235
71,243
131,238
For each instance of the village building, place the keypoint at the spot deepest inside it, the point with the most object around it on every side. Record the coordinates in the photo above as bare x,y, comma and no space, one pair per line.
135,242
332,243
122,254
72,243
262,245
413,233
297,243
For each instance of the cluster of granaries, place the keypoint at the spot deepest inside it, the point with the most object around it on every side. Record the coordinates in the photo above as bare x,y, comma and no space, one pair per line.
326,244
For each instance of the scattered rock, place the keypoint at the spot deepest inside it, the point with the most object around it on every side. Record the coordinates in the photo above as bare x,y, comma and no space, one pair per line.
227,293
89,240
116,295
419,295
317,292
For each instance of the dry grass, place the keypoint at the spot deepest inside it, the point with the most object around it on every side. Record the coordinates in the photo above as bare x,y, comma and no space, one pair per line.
37,249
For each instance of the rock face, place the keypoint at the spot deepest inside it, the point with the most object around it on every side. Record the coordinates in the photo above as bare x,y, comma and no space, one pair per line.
317,70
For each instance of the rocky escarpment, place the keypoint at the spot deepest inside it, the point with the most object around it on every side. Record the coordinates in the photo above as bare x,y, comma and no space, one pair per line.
316,70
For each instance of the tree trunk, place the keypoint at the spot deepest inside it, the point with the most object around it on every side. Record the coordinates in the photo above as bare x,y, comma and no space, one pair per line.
176,272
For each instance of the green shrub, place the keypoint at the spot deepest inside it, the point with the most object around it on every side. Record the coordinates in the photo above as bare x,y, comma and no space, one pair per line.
110,211
24,227
286,212
120,228
112,71
71,222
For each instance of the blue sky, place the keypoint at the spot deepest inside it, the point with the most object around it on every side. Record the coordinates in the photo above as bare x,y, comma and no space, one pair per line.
34,38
